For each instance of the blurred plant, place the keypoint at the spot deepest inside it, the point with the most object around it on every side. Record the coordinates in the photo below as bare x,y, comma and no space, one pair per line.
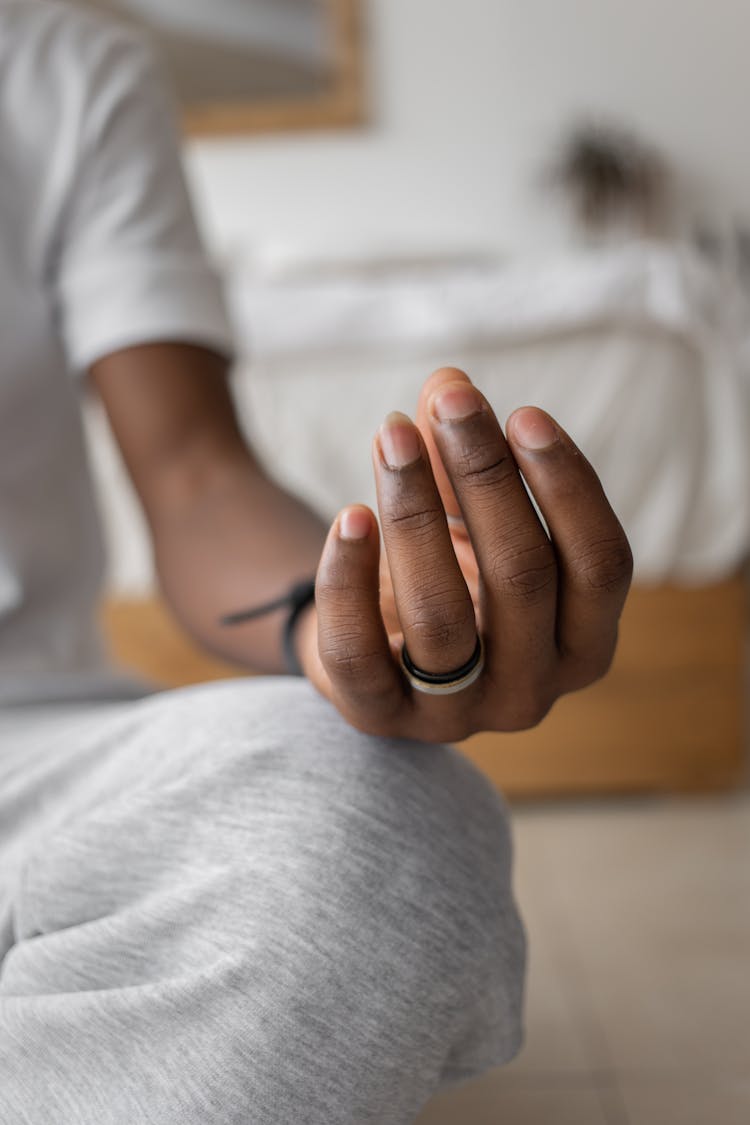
614,182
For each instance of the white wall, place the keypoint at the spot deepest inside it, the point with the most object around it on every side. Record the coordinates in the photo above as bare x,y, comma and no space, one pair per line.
465,95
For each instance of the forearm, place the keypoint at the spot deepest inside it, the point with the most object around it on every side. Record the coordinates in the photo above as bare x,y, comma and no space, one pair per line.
234,540
224,535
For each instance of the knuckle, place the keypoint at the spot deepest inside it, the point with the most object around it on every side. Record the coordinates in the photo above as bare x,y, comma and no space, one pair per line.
440,618
583,671
530,709
339,586
421,522
605,567
484,466
378,711
517,698
345,659
529,577
436,632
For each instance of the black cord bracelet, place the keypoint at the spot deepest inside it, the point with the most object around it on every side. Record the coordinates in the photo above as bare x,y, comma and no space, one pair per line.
297,599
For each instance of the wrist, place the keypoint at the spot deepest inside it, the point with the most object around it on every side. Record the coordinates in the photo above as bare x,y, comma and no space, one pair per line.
298,601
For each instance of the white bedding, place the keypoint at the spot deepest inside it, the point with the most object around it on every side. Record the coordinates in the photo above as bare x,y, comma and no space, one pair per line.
637,352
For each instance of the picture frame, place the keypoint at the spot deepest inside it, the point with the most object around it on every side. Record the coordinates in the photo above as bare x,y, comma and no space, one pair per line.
323,91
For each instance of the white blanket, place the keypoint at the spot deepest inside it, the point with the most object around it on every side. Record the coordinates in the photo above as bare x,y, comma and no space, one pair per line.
637,352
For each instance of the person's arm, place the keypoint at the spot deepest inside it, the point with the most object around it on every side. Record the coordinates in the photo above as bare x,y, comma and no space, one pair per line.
129,274
224,535
546,606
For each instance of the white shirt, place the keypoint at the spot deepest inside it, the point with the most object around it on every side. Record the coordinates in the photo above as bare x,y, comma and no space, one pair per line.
98,251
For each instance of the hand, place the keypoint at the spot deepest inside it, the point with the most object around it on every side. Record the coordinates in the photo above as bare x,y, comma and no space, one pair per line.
546,605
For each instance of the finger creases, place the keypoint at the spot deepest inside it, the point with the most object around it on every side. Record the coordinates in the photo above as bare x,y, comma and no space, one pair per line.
515,558
434,607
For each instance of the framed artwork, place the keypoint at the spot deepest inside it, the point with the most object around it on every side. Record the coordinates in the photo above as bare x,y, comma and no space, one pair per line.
242,66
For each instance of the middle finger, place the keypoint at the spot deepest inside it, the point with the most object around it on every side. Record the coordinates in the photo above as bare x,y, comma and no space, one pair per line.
517,566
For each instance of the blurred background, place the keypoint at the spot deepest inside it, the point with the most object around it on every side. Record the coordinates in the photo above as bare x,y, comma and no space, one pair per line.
234,50
556,198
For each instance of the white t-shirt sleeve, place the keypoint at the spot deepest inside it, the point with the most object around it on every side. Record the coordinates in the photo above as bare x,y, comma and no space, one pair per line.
130,265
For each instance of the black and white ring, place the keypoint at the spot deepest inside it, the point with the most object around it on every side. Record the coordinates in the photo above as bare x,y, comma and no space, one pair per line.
447,683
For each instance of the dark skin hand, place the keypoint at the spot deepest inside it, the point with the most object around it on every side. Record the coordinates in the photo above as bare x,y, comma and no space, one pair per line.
226,536
547,606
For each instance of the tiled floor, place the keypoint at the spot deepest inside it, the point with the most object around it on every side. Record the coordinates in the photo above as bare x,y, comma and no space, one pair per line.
638,1012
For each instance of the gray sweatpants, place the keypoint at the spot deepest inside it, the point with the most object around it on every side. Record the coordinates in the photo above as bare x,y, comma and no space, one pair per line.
223,905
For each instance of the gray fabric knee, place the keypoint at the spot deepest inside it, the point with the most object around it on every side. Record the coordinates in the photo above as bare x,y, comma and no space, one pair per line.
328,916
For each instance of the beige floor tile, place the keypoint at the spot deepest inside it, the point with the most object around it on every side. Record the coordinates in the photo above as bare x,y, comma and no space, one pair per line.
653,901
692,1012
488,1101
561,1036
639,849
684,1101
554,1040
557,1034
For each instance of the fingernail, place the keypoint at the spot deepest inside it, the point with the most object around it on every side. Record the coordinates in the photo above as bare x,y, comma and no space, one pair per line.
455,402
399,442
354,523
533,429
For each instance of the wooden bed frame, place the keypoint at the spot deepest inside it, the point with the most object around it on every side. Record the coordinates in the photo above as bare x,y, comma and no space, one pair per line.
669,716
